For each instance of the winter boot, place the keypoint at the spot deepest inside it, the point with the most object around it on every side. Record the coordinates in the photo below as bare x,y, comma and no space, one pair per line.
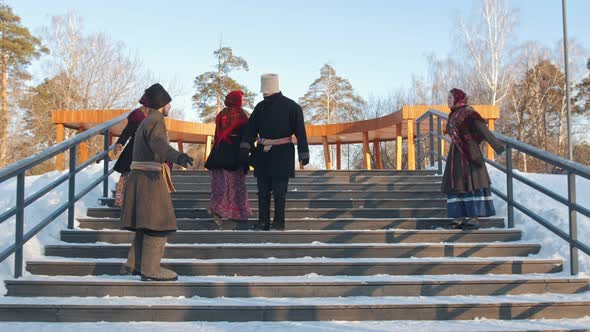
457,223
216,218
263,213
278,222
471,223
133,264
153,250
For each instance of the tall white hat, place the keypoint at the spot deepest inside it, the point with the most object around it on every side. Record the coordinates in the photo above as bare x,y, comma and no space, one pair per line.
269,84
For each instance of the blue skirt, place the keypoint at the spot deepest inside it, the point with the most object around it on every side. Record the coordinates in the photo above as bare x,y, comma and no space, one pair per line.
477,203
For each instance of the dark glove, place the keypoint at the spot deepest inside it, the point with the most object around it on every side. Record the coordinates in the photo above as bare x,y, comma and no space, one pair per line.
184,160
243,157
501,150
305,161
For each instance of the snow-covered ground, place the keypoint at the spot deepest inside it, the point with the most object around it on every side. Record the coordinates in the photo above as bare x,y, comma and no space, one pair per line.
333,326
37,211
551,245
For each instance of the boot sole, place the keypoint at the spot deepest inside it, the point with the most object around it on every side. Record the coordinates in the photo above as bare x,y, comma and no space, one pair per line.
144,278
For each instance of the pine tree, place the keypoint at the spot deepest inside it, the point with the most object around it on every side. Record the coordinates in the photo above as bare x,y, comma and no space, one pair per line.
212,86
17,49
331,98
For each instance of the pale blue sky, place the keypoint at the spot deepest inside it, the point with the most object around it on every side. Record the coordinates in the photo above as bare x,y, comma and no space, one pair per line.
376,44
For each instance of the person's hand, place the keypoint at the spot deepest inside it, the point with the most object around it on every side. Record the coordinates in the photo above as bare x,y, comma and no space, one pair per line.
118,148
501,150
305,161
184,160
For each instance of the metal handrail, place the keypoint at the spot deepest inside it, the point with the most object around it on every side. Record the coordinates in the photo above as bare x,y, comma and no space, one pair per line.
14,169
572,168
19,169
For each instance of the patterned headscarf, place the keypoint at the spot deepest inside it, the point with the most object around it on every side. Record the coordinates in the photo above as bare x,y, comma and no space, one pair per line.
459,98
231,118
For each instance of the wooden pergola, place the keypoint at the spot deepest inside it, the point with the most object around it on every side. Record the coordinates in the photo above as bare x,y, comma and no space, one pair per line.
397,126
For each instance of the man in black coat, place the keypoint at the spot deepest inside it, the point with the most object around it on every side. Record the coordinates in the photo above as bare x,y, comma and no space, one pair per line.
272,124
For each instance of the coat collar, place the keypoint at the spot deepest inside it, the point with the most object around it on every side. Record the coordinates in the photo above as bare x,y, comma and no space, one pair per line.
155,113
274,96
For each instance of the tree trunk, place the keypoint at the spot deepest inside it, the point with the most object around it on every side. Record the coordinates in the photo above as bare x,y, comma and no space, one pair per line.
4,109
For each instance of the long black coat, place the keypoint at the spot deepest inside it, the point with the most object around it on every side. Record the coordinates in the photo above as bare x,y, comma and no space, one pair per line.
276,117
124,162
475,175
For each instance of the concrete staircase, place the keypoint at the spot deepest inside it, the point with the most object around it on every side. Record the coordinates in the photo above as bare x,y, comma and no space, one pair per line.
359,245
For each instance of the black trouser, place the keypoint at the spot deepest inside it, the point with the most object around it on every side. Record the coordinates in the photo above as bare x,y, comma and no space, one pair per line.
278,186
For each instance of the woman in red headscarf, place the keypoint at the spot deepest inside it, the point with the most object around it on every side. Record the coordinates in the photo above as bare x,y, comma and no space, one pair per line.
229,195
466,181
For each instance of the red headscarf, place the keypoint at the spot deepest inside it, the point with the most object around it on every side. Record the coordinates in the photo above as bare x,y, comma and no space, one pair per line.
231,118
459,98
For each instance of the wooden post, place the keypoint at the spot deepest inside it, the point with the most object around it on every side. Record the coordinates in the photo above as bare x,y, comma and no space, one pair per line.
399,145
366,150
377,149
83,153
59,137
208,147
338,156
326,152
180,146
111,154
411,146
489,147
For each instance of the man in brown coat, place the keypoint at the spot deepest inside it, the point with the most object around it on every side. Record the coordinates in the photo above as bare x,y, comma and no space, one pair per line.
147,208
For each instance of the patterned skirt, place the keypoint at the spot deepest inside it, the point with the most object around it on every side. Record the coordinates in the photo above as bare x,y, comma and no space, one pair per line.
478,203
229,194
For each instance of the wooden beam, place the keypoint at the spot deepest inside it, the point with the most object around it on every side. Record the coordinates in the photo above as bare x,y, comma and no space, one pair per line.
411,146
327,152
366,151
377,151
490,151
399,145
338,156
83,150
60,133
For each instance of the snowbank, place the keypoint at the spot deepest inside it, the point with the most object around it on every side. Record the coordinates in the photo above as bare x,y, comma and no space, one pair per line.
37,211
548,208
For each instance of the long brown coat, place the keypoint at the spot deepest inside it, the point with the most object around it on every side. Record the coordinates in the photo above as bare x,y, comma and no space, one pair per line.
475,176
147,203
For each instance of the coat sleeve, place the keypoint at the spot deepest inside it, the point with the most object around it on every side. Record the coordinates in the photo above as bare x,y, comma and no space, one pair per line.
483,130
128,131
250,131
299,131
158,142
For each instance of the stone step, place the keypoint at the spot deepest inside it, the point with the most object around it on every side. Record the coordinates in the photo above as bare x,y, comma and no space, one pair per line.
321,203
362,179
348,236
324,173
232,251
419,212
315,186
307,224
95,287
300,267
125,310
328,194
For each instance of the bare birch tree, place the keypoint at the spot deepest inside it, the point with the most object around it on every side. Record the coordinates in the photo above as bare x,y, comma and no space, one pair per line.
486,40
